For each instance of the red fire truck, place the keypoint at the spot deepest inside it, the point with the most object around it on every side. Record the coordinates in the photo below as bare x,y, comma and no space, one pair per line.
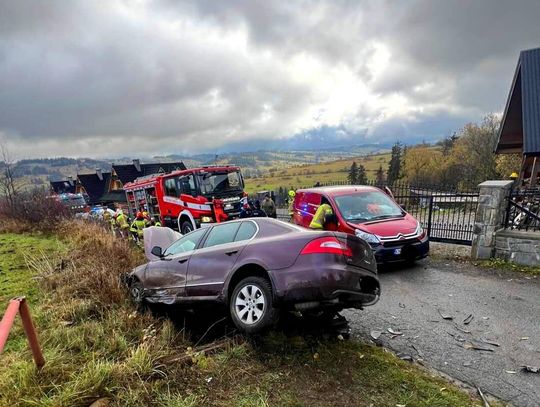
183,200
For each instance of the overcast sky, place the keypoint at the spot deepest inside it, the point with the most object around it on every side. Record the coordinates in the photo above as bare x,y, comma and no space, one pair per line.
116,78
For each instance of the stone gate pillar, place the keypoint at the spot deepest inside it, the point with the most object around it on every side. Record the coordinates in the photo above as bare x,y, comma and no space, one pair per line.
489,217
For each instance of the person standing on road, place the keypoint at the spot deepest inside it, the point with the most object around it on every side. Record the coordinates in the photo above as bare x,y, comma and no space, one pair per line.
292,194
268,206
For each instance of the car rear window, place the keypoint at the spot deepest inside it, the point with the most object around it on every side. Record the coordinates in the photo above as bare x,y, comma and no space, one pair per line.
221,234
247,231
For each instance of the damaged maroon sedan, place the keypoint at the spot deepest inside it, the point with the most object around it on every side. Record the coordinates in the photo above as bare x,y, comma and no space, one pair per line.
259,266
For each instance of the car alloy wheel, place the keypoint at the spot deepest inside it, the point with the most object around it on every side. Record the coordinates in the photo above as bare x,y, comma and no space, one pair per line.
250,304
136,291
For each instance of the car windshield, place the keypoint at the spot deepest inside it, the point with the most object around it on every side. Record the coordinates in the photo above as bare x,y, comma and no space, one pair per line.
367,206
213,183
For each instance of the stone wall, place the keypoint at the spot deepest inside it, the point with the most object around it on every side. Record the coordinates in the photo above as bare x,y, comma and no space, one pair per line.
518,246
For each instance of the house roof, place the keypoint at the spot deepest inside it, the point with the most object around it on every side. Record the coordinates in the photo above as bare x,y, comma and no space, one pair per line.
63,187
94,187
520,127
128,172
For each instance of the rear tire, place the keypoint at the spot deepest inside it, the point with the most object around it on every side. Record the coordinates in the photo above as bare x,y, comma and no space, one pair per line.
251,305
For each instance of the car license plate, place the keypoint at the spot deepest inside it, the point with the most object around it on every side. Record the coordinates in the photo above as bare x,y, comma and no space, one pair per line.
228,206
397,251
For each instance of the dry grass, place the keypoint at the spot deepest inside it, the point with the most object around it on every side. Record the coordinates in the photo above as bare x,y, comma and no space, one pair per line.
92,269
97,347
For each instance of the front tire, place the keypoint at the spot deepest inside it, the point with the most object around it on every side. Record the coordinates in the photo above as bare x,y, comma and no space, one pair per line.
186,227
251,305
136,290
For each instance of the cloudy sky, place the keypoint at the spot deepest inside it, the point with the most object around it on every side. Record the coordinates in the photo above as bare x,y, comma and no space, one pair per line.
117,77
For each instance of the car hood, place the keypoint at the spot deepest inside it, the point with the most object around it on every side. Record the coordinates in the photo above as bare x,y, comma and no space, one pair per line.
389,227
158,236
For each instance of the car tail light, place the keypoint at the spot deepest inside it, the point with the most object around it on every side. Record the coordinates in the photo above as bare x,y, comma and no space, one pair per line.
328,245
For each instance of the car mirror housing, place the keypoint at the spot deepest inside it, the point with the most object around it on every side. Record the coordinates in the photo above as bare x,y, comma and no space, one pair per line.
157,251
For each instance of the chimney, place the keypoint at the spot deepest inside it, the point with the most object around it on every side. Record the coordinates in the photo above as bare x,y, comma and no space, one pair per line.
137,164
70,180
99,174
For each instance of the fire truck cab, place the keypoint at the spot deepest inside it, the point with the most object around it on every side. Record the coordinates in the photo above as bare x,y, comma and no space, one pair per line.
186,199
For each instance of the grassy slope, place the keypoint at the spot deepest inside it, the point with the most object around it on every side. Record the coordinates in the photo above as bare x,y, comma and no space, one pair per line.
307,175
112,352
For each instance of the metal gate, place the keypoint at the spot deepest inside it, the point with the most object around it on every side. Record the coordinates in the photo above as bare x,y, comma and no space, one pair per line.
446,216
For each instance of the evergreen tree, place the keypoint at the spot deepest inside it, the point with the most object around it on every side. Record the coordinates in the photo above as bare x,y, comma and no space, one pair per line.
353,174
394,166
361,177
379,176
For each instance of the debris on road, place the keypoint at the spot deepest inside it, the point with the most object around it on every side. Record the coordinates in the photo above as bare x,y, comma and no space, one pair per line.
530,369
404,356
418,351
524,338
461,329
473,346
401,305
468,320
489,342
510,371
445,316
456,337
375,334
486,404
395,333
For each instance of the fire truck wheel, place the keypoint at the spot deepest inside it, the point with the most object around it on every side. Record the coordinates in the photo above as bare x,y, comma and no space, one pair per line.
186,227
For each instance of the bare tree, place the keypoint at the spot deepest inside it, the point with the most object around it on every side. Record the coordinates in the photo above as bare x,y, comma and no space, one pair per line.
8,185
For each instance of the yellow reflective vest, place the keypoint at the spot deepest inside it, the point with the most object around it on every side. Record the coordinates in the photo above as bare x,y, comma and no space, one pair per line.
121,221
318,219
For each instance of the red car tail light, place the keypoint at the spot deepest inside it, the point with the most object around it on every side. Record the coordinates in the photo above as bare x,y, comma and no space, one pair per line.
328,245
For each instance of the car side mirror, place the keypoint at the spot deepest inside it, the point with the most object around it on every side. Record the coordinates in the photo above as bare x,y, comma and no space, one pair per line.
157,251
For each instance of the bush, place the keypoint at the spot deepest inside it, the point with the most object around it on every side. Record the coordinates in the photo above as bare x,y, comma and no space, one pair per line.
33,210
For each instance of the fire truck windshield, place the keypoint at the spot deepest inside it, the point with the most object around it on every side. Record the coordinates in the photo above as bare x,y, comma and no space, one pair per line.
221,183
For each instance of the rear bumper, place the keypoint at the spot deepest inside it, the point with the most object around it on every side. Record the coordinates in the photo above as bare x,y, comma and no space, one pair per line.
318,286
400,253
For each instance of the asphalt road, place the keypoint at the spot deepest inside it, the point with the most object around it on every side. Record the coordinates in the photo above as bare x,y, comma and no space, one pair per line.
505,308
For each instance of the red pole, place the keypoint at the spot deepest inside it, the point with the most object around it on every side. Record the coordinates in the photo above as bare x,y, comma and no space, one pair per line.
7,321
31,333
19,304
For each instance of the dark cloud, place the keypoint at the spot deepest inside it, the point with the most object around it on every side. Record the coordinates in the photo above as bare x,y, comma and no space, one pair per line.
117,77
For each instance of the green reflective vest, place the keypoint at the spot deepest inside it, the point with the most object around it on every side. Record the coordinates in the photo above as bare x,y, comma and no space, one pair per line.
318,219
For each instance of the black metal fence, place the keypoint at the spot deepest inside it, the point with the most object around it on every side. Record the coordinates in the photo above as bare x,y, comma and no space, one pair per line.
523,210
446,212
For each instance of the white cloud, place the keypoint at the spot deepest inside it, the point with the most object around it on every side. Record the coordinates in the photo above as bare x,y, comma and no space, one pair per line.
121,78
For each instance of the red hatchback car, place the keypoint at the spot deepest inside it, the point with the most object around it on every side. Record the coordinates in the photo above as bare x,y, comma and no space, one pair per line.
370,214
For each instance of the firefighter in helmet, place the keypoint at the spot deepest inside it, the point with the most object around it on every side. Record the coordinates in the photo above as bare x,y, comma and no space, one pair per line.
290,200
137,227
122,222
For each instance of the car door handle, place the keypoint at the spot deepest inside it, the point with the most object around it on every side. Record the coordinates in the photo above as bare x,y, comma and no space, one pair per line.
231,252
182,260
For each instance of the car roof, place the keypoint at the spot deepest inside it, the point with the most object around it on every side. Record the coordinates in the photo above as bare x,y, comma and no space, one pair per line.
339,189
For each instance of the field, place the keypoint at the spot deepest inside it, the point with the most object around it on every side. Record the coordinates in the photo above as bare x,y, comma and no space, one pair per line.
97,347
309,174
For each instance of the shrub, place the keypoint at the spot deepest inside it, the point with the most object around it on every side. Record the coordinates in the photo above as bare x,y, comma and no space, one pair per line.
33,210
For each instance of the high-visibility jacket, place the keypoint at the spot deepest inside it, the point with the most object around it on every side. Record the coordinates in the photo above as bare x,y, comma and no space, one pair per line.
318,219
157,224
121,221
137,226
